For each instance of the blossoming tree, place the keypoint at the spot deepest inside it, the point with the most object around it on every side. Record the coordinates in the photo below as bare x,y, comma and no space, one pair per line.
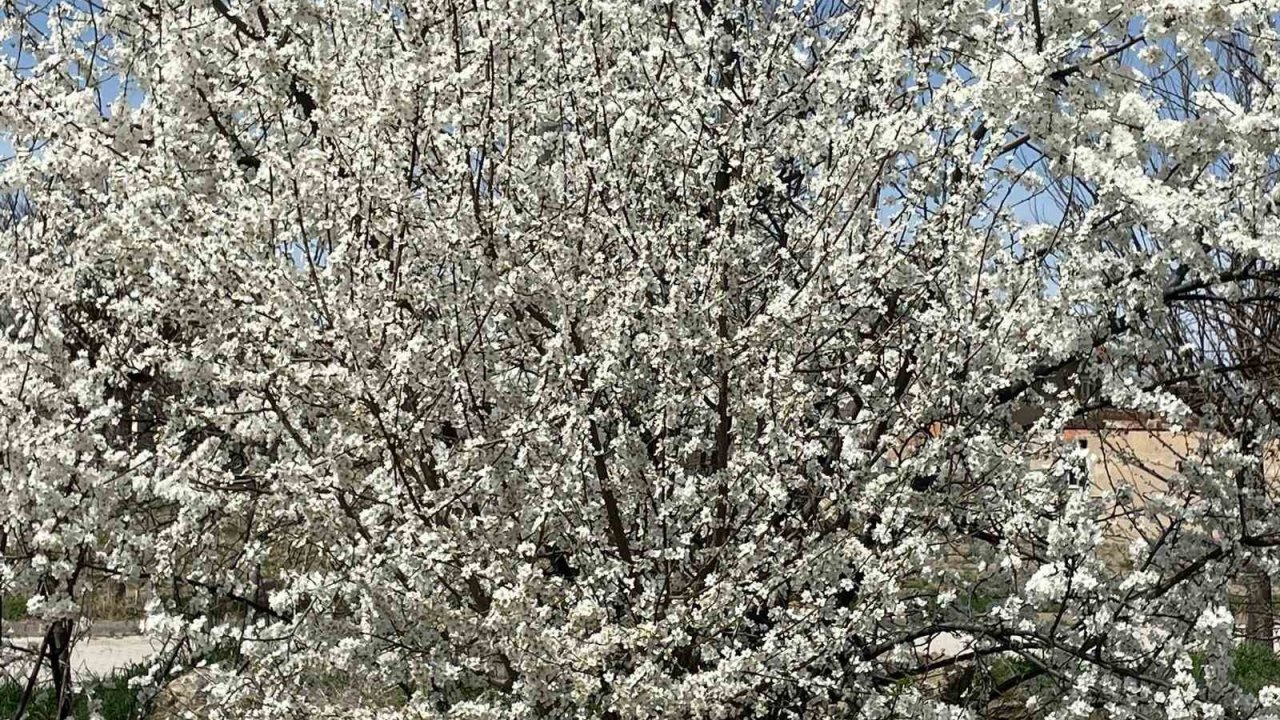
630,358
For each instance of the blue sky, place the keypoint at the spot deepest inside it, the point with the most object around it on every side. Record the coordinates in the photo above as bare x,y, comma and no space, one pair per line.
20,61
1025,206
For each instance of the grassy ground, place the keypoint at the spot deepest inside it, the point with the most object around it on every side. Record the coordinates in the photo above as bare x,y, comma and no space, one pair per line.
13,607
1254,667
113,697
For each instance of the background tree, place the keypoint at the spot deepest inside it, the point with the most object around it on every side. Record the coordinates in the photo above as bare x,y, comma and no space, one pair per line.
1223,361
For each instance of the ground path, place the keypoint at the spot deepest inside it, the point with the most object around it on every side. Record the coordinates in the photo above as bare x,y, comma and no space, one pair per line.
113,647
108,648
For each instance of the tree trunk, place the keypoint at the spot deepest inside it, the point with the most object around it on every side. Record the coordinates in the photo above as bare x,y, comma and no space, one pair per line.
1260,620
60,665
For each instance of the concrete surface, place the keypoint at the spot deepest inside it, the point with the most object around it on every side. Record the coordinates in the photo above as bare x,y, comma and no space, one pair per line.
92,657
943,644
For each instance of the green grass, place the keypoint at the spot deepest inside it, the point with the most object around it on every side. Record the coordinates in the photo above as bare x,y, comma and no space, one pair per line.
978,603
1007,667
13,607
1254,667
118,701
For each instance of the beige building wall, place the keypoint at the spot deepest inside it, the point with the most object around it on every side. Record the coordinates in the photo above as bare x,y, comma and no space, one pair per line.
1135,457
1136,469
